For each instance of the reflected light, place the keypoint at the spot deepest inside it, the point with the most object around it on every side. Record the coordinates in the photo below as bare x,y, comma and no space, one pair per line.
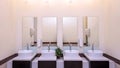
70,1
30,1
87,1
46,1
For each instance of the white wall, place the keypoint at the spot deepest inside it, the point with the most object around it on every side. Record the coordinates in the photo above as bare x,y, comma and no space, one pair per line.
112,32
7,30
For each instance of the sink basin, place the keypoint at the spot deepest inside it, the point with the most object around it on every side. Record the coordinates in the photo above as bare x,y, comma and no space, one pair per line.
71,53
25,53
95,53
48,53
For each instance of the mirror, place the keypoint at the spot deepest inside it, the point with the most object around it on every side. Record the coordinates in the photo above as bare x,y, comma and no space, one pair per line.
49,31
29,31
70,33
91,31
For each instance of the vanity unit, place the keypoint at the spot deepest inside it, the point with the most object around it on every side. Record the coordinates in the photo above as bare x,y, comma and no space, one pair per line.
39,62
23,60
20,62
99,62
68,61
47,59
47,62
73,60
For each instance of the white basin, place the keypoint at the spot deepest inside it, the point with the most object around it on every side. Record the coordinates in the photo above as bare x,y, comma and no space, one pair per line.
95,53
25,53
71,53
48,53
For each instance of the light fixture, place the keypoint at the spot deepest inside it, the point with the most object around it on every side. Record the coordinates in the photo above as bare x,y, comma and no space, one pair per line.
70,1
30,1
46,1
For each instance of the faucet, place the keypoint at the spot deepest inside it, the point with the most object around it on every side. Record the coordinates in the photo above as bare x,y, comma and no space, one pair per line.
93,47
28,47
49,46
70,45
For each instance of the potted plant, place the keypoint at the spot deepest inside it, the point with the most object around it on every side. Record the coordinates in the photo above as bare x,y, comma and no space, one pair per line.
59,53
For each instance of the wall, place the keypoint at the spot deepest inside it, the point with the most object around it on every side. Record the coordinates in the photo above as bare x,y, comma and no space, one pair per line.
12,13
106,10
112,33
7,30
58,8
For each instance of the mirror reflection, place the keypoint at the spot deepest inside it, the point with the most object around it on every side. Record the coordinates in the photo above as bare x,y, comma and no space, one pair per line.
91,31
49,32
70,33
29,31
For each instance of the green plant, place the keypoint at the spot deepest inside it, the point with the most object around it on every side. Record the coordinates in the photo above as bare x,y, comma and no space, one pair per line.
59,52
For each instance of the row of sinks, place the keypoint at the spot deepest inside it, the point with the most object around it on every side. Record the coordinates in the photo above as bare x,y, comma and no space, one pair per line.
92,53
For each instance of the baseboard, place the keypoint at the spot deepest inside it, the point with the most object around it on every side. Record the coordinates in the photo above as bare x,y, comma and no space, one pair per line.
8,58
112,58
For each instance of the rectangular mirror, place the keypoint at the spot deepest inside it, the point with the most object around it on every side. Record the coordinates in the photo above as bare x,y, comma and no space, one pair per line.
91,31
70,32
29,31
49,31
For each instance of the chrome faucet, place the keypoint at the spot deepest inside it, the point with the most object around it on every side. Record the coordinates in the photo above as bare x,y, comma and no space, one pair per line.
28,47
70,46
49,46
93,47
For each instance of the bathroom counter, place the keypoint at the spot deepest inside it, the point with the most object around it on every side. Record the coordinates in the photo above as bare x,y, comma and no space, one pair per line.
24,58
35,62
100,61
47,58
47,62
20,61
79,62
73,62
96,58
72,58
60,63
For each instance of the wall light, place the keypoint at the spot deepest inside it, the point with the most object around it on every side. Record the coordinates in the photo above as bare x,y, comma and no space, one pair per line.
46,1
87,1
70,1
30,1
